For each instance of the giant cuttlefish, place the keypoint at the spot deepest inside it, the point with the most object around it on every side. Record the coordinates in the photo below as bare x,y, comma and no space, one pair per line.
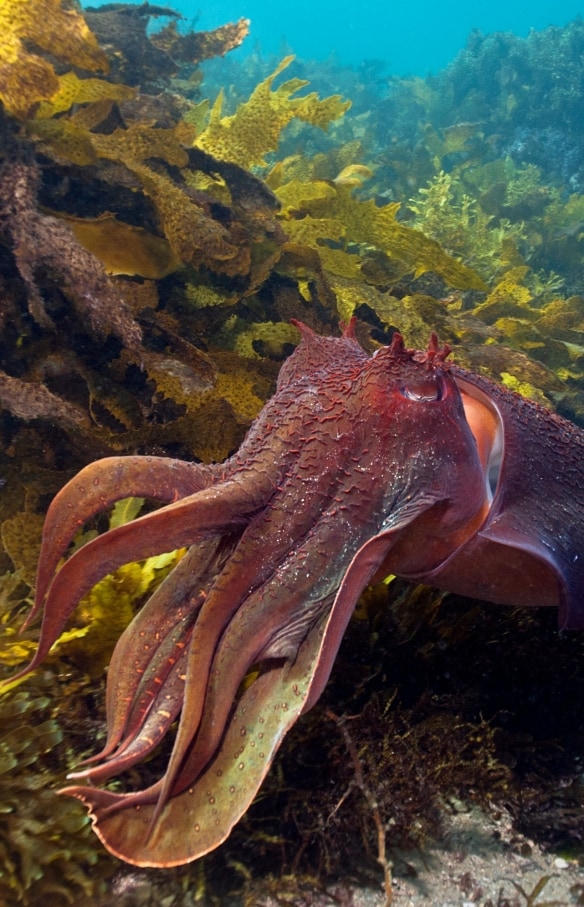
357,467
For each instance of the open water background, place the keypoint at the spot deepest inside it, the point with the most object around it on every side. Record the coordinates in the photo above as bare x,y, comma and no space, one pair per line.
411,38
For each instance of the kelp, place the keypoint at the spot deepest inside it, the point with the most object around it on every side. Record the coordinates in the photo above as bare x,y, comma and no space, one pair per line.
321,214
73,90
27,77
21,538
143,58
194,47
263,336
246,137
123,248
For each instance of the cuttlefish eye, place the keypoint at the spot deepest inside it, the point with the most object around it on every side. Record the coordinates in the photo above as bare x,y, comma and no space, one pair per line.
425,390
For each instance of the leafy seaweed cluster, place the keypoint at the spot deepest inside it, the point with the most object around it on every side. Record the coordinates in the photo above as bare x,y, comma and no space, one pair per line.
326,216
463,227
27,77
47,850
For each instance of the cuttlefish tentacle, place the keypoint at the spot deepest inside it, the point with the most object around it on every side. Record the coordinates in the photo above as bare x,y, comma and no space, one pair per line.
97,487
176,525
146,677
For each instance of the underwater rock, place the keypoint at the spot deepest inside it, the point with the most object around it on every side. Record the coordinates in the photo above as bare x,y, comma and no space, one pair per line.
559,155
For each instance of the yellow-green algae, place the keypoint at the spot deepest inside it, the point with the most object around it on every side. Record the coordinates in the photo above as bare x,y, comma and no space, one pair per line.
47,850
27,77
254,130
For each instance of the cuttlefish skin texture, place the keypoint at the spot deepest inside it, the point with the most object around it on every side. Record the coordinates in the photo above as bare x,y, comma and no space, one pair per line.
358,466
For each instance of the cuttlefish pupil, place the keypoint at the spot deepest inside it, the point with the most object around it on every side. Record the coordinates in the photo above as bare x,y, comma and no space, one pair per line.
424,391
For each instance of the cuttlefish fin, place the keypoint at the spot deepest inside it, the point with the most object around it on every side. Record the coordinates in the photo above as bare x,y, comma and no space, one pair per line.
532,562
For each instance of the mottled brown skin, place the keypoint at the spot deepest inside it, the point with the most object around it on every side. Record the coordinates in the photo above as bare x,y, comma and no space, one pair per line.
358,466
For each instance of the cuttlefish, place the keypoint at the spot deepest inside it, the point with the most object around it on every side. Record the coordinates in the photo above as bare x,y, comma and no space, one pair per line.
357,467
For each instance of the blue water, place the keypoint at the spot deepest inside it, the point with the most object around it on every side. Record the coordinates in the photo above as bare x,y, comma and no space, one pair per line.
413,38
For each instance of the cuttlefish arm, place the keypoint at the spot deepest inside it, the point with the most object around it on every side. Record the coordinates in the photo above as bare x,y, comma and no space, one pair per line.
96,488
244,738
174,526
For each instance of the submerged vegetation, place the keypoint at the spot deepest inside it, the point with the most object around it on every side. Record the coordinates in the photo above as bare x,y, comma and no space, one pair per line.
154,244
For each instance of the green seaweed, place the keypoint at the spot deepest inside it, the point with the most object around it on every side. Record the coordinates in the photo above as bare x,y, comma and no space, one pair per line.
47,850
456,220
